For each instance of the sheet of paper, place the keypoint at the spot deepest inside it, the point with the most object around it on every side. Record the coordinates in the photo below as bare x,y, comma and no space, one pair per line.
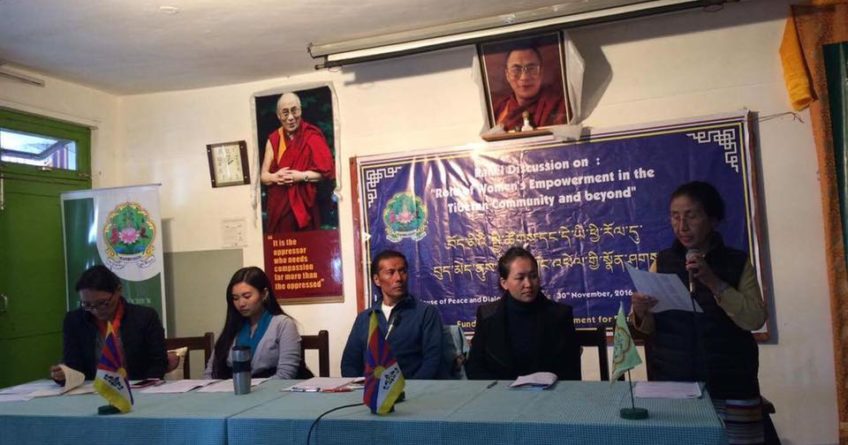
227,385
14,398
667,390
73,378
48,392
316,384
536,380
177,386
85,388
74,384
667,288
29,388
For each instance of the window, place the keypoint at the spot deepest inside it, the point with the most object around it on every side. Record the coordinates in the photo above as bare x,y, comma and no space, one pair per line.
23,148
31,144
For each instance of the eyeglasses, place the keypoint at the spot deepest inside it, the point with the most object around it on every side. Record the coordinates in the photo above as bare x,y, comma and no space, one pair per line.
98,305
294,111
532,70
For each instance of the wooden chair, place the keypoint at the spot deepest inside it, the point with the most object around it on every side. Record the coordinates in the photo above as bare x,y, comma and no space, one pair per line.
321,342
204,343
596,338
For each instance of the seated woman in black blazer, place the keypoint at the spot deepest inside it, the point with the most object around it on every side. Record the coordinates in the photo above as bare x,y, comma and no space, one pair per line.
523,332
138,327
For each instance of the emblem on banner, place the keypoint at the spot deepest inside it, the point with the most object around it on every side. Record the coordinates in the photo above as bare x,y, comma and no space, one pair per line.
405,216
128,235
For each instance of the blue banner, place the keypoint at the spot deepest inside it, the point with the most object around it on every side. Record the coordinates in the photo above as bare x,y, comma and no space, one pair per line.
585,209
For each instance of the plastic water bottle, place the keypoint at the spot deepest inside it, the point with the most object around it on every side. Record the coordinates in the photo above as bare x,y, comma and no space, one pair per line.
241,369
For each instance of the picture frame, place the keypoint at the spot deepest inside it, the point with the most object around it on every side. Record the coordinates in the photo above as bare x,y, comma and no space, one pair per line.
543,95
228,164
302,255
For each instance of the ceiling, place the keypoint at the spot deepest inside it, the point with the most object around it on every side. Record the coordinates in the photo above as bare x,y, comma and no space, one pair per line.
144,46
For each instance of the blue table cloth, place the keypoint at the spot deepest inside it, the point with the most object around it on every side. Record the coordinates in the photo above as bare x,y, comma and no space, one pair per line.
434,412
467,412
189,418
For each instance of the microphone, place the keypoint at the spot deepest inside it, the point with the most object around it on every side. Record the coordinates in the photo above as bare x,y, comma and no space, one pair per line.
692,254
394,320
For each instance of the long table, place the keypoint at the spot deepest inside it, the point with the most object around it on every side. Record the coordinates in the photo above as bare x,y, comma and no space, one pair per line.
434,412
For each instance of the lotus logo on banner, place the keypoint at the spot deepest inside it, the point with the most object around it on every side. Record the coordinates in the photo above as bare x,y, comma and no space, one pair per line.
128,235
405,217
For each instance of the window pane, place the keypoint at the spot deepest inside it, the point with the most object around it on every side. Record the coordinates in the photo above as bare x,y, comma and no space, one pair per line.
23,148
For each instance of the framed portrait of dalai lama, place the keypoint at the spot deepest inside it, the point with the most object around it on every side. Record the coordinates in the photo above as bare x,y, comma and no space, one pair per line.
524,80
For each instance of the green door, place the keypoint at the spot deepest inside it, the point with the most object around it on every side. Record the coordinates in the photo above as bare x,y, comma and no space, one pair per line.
39,159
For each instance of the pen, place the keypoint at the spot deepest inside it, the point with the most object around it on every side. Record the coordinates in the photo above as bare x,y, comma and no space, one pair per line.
490,385
341,389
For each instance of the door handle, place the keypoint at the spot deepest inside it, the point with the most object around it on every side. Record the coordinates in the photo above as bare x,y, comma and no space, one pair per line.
4,303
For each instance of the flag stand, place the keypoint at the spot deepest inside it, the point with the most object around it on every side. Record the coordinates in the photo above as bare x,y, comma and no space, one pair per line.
107,410
632,413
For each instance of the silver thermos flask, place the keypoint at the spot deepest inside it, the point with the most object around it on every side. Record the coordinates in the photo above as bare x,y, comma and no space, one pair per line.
241,369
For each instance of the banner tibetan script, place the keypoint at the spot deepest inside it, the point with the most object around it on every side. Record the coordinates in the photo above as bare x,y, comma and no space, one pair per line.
585,209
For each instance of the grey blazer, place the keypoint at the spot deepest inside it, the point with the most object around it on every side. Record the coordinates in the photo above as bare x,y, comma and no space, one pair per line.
279,348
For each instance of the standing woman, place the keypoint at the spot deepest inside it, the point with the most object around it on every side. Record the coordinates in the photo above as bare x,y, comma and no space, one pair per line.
255,319
715,346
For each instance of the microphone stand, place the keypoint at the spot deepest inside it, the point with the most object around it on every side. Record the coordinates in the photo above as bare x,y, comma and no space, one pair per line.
696,331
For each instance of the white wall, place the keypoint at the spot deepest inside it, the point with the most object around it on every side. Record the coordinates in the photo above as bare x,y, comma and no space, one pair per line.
683,65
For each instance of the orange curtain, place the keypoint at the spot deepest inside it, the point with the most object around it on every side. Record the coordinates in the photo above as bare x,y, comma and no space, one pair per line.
808,28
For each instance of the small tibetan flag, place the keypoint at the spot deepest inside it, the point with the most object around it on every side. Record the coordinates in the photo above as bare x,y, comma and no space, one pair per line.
383,379
624,356
111,379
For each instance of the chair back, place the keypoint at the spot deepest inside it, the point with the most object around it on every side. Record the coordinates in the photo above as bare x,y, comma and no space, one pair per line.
321,342
204,343
454,353
596,337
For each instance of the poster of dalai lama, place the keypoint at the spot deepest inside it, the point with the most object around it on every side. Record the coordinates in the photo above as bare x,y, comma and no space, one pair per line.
298,157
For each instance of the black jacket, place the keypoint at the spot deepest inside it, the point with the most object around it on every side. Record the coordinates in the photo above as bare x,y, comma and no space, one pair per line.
142,337
558,352
708,346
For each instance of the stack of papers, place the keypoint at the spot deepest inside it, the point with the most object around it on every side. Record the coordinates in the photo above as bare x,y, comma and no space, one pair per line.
74,384
667,390
322,384
541,380
25,391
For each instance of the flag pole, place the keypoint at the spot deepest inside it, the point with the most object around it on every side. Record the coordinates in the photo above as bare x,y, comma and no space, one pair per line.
625,357
632,413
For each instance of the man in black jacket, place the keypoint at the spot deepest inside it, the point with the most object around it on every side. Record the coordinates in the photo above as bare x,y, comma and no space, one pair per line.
142,338
523,332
